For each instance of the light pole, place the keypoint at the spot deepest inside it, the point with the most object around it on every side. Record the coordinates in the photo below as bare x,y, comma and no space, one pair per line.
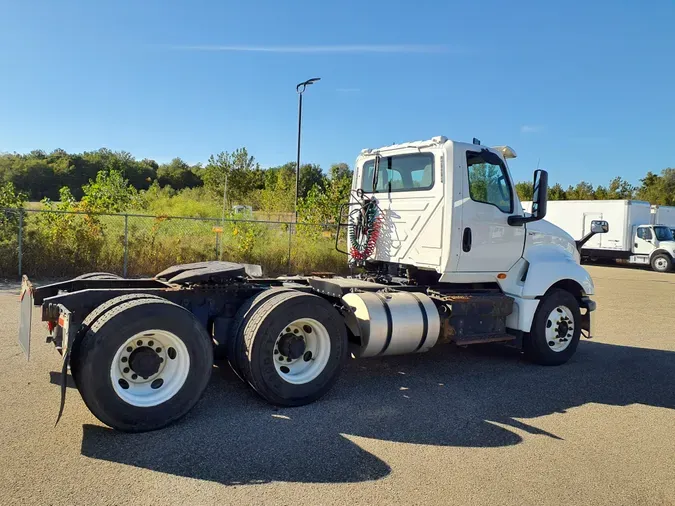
300,88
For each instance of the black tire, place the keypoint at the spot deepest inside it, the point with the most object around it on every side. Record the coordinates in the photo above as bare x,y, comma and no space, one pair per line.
91,319
536,345
261,331
235,349
109,332
98,275
661,262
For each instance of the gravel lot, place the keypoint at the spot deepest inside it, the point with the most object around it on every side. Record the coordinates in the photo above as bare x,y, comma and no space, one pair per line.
449,427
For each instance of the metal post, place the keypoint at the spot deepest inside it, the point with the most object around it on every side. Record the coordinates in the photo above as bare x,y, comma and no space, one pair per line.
297,166
300,88
290,234
126,243
20,242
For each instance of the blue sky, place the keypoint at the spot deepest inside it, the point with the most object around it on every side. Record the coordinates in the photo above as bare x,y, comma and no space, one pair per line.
586,87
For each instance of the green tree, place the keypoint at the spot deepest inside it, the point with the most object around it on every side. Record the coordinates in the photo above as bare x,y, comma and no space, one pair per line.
556,192
620,189
178,174
323,205
11,201
525,190
278,194
238,170
311,175
582,191
109,193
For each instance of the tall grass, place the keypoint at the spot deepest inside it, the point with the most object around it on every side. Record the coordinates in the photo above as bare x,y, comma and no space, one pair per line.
62,244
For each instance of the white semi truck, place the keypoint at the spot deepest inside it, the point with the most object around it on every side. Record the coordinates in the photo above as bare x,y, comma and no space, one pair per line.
443,253
636,236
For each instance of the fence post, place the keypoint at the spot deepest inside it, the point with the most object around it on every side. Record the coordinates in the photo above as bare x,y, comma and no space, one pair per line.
20,242
126,244
290,235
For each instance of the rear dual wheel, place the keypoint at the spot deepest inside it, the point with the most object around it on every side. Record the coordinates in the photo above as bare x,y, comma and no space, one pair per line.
291,347
142,363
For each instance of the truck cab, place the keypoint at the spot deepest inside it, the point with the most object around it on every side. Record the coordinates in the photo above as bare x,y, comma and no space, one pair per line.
653,245
450,217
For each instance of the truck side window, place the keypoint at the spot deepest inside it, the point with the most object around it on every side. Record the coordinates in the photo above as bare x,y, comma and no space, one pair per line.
644,233
488,180
400,173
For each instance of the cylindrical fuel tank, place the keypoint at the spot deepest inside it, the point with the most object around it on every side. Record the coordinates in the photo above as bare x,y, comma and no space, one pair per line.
394,323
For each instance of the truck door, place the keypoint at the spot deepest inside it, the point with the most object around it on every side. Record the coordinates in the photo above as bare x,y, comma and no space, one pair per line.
643,241
489,243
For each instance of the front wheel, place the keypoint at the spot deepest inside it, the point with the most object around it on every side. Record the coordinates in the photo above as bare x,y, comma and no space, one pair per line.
661,262
556,329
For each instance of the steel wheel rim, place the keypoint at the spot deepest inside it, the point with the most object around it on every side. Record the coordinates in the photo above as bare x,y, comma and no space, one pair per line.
315,354
660,263
172,361
560,326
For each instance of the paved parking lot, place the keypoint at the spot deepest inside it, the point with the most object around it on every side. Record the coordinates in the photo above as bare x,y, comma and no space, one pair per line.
449,427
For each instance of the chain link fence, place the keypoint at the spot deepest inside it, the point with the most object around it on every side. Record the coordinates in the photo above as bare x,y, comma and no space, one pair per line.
56,244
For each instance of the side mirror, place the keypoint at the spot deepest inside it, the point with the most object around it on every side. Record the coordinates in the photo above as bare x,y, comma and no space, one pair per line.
599,227
539,200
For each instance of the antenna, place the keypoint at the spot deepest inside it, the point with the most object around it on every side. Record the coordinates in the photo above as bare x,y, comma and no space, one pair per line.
538,160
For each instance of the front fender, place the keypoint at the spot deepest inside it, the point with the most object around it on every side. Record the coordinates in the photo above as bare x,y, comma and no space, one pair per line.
536,274
543,273
661,250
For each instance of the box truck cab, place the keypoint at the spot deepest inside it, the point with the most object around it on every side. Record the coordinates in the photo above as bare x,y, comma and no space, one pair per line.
653,245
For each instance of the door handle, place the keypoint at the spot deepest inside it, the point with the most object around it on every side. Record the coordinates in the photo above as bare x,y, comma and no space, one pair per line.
466,240
636,245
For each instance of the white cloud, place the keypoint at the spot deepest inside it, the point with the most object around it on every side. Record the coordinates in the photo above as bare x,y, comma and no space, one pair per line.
356,48
531,129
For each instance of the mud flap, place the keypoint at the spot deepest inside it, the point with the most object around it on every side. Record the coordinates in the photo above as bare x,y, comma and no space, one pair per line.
26,315
64,378
589,305
67,343
586,324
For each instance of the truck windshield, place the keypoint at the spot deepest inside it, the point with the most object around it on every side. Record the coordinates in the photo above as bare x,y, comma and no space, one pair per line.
399,173
663,233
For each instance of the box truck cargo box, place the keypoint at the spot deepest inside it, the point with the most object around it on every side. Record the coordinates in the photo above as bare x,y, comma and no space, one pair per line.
636,234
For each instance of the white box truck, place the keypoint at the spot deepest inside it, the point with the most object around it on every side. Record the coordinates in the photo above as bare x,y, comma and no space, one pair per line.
636,234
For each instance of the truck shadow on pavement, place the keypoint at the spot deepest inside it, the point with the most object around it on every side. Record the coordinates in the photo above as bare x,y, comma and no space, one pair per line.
446,397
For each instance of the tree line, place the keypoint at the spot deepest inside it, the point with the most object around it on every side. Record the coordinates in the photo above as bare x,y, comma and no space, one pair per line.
238,178
41,175
653,188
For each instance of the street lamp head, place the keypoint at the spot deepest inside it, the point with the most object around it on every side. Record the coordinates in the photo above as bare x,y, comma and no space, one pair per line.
301,87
